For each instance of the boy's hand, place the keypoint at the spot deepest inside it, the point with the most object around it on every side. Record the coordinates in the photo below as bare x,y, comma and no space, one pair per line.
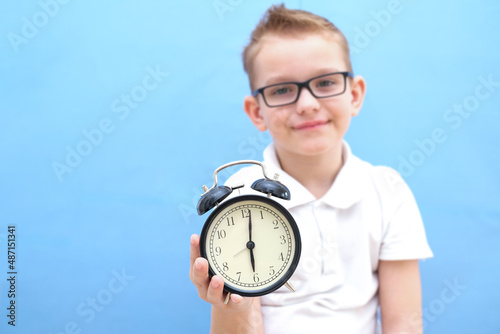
212,291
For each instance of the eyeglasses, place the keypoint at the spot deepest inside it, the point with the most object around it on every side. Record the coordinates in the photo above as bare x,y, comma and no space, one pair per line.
326,85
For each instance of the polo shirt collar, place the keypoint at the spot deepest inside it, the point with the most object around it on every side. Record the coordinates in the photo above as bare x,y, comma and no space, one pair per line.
346,190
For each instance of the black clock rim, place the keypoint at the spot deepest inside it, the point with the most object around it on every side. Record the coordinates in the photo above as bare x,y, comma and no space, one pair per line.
298,244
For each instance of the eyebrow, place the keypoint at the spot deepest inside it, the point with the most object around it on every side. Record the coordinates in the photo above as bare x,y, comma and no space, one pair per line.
286,78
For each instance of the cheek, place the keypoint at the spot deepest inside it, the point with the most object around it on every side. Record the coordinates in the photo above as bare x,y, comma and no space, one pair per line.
341,112
277,120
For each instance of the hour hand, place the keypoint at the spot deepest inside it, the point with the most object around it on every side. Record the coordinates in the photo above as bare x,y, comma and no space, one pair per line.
251,245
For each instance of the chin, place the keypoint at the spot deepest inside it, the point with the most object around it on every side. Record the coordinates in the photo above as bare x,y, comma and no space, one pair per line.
325,144
314,148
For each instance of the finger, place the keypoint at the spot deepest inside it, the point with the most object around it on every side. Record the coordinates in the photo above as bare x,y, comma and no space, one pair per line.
200,277
194,253
195,248
236,299
215,293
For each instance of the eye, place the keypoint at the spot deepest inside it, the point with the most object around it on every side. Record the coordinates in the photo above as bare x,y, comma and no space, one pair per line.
281,90
326,83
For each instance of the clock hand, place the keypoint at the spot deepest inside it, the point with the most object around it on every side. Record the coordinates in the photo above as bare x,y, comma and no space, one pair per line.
240,251
249,225
250,243
252,260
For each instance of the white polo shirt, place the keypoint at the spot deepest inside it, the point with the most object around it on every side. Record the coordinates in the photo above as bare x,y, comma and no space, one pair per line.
369,214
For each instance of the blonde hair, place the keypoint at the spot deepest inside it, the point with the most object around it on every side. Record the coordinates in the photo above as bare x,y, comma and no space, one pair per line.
288,22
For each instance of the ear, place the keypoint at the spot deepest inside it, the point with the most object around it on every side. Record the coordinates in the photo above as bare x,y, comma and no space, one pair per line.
358,90
252,108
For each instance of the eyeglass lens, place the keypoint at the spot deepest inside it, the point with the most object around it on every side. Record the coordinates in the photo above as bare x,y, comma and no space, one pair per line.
324,86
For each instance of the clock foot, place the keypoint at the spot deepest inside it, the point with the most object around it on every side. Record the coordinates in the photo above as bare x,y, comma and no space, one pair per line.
228,297
290,286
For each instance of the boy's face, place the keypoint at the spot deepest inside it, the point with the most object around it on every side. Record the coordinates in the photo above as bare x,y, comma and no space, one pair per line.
310,126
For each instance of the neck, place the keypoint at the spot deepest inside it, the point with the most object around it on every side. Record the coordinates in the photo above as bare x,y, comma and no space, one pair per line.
316,173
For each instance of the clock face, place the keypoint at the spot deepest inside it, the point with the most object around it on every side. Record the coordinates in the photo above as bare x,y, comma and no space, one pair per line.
253,243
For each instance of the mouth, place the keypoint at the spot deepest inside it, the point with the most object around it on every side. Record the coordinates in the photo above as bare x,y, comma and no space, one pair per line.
310,125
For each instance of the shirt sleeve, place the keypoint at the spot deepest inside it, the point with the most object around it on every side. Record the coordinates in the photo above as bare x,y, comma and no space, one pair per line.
404,235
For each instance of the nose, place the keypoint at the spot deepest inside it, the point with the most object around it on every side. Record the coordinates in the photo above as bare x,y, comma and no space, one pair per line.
306,102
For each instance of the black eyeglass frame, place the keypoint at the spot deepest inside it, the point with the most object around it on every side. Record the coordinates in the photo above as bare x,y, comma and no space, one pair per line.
305,84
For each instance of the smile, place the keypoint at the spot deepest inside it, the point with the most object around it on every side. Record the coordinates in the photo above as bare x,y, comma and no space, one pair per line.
310,125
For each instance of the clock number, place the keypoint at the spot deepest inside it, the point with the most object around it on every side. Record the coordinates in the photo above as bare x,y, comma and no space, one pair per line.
239,275
283,240
271,271
225,266
276,224
218,251
281,257
221,234
245,213
256,278
261,215
230,221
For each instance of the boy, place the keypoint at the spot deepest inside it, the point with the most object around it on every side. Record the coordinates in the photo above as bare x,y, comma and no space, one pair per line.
361,230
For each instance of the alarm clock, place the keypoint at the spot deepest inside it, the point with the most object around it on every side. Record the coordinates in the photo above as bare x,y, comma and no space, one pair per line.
250,240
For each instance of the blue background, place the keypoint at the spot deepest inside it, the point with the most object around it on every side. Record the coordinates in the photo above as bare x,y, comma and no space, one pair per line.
113,228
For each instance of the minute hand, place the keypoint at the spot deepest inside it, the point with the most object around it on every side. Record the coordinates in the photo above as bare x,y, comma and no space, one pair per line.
249,225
